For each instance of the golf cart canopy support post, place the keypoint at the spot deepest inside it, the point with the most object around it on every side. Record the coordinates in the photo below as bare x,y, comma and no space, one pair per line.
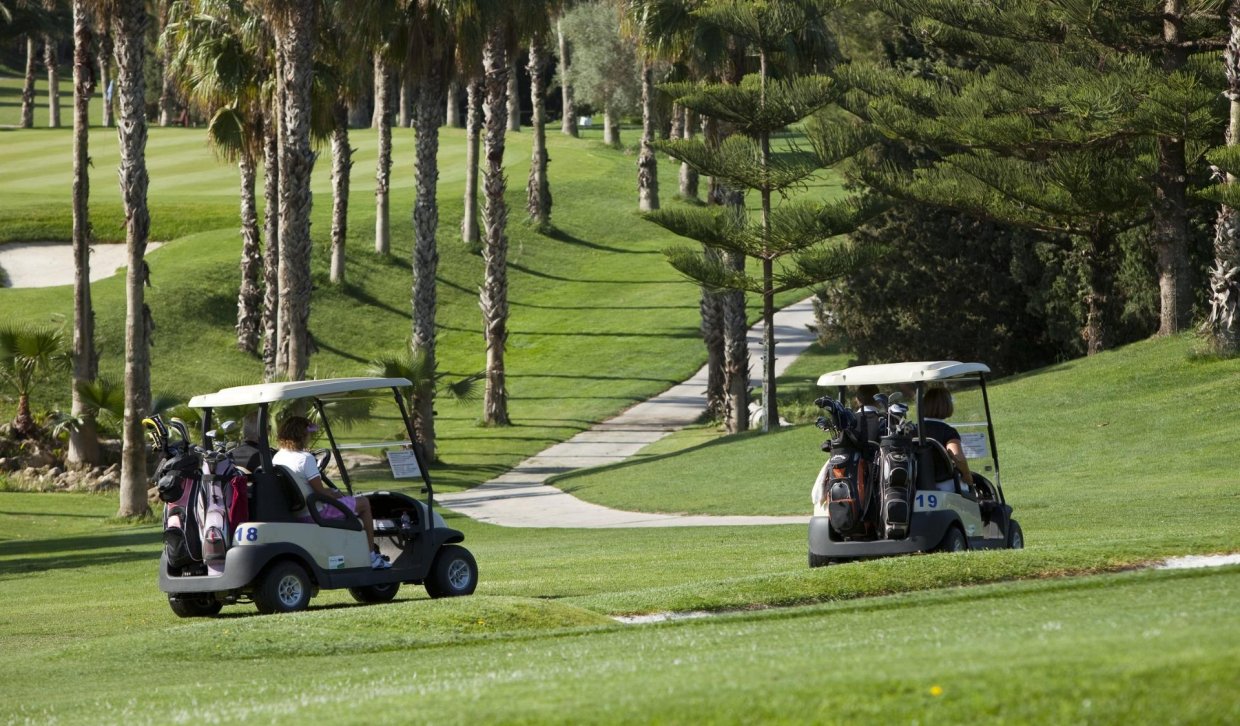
327,429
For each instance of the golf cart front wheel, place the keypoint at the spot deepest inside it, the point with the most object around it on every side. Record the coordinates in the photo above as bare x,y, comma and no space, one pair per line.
203,606
375,593
953,541
1015,538
285,588
454,573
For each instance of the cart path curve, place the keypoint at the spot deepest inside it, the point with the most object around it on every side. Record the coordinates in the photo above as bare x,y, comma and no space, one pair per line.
521,498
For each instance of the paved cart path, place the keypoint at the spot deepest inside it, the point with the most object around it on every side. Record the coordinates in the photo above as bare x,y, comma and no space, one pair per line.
521,498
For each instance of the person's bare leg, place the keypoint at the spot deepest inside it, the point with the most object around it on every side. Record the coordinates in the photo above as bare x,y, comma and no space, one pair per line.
363,513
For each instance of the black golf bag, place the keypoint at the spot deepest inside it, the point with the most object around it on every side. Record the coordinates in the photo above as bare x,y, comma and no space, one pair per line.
895,464
178,479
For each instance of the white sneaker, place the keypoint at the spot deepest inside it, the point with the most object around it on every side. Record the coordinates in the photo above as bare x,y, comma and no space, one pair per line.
378,562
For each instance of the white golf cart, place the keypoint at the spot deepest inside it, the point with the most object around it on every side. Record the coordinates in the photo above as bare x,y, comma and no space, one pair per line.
887,488
272,555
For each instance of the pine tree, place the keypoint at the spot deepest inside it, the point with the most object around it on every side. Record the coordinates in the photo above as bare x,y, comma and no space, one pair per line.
797,230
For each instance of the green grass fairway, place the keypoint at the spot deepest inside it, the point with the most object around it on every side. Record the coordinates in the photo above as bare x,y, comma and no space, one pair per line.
1110,649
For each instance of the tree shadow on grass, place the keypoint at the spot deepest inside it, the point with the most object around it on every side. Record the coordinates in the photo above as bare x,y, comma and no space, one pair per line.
560,235
69,553
559,278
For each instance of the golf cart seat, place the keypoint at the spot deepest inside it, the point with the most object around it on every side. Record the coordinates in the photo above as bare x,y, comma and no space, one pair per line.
275,497
934,466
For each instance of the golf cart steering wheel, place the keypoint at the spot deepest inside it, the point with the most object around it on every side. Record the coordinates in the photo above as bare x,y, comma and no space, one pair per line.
323,459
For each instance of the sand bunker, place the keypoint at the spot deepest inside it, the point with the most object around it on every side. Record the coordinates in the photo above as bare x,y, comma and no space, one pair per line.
48,264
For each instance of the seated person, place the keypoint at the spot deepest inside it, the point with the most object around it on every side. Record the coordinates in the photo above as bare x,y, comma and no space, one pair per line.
937,405
293,435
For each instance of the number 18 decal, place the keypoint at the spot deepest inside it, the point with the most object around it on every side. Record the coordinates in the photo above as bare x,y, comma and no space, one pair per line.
246,534
929,501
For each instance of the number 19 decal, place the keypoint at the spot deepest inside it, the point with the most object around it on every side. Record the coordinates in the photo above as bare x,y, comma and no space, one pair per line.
246,534
929,501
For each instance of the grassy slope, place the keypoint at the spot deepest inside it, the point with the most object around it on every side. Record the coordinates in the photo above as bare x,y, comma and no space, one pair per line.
1129,441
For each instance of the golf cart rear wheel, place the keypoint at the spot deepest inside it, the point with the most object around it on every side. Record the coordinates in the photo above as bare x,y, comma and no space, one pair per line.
953,541
823,560
1015,537
284,588
203,606
454,573
375,593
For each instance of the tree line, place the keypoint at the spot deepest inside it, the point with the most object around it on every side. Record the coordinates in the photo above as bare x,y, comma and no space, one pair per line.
1015,170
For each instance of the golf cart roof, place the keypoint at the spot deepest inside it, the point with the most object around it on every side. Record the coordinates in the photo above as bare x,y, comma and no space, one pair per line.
269,392
938,370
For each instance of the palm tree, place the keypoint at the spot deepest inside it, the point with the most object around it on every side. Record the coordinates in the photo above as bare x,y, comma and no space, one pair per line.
416,366
103,34
383,161
26,352
568,117
473,139
1221,324
294,25
538,188
83,439
50,60
493,296
213,50
27,117
129,20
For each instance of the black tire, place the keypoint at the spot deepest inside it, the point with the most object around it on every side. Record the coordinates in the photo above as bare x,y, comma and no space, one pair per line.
953,541
454,573
283,588
1015,537
200,606
823,560
375,593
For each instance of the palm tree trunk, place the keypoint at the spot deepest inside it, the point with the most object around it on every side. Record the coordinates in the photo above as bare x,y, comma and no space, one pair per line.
167,90
611,125
452,105
271,252
427,120
342,165
538,189
130,26
104,34
493,297
647,162
27,119
473,128
250,294
568,118
53,82
407,93
1169,228
383,164
294,32
84,439
514,98
1221,324
688,175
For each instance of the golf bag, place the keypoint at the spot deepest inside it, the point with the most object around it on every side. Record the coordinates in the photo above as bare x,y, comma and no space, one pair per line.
895,461
850,487
178,479
222,501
